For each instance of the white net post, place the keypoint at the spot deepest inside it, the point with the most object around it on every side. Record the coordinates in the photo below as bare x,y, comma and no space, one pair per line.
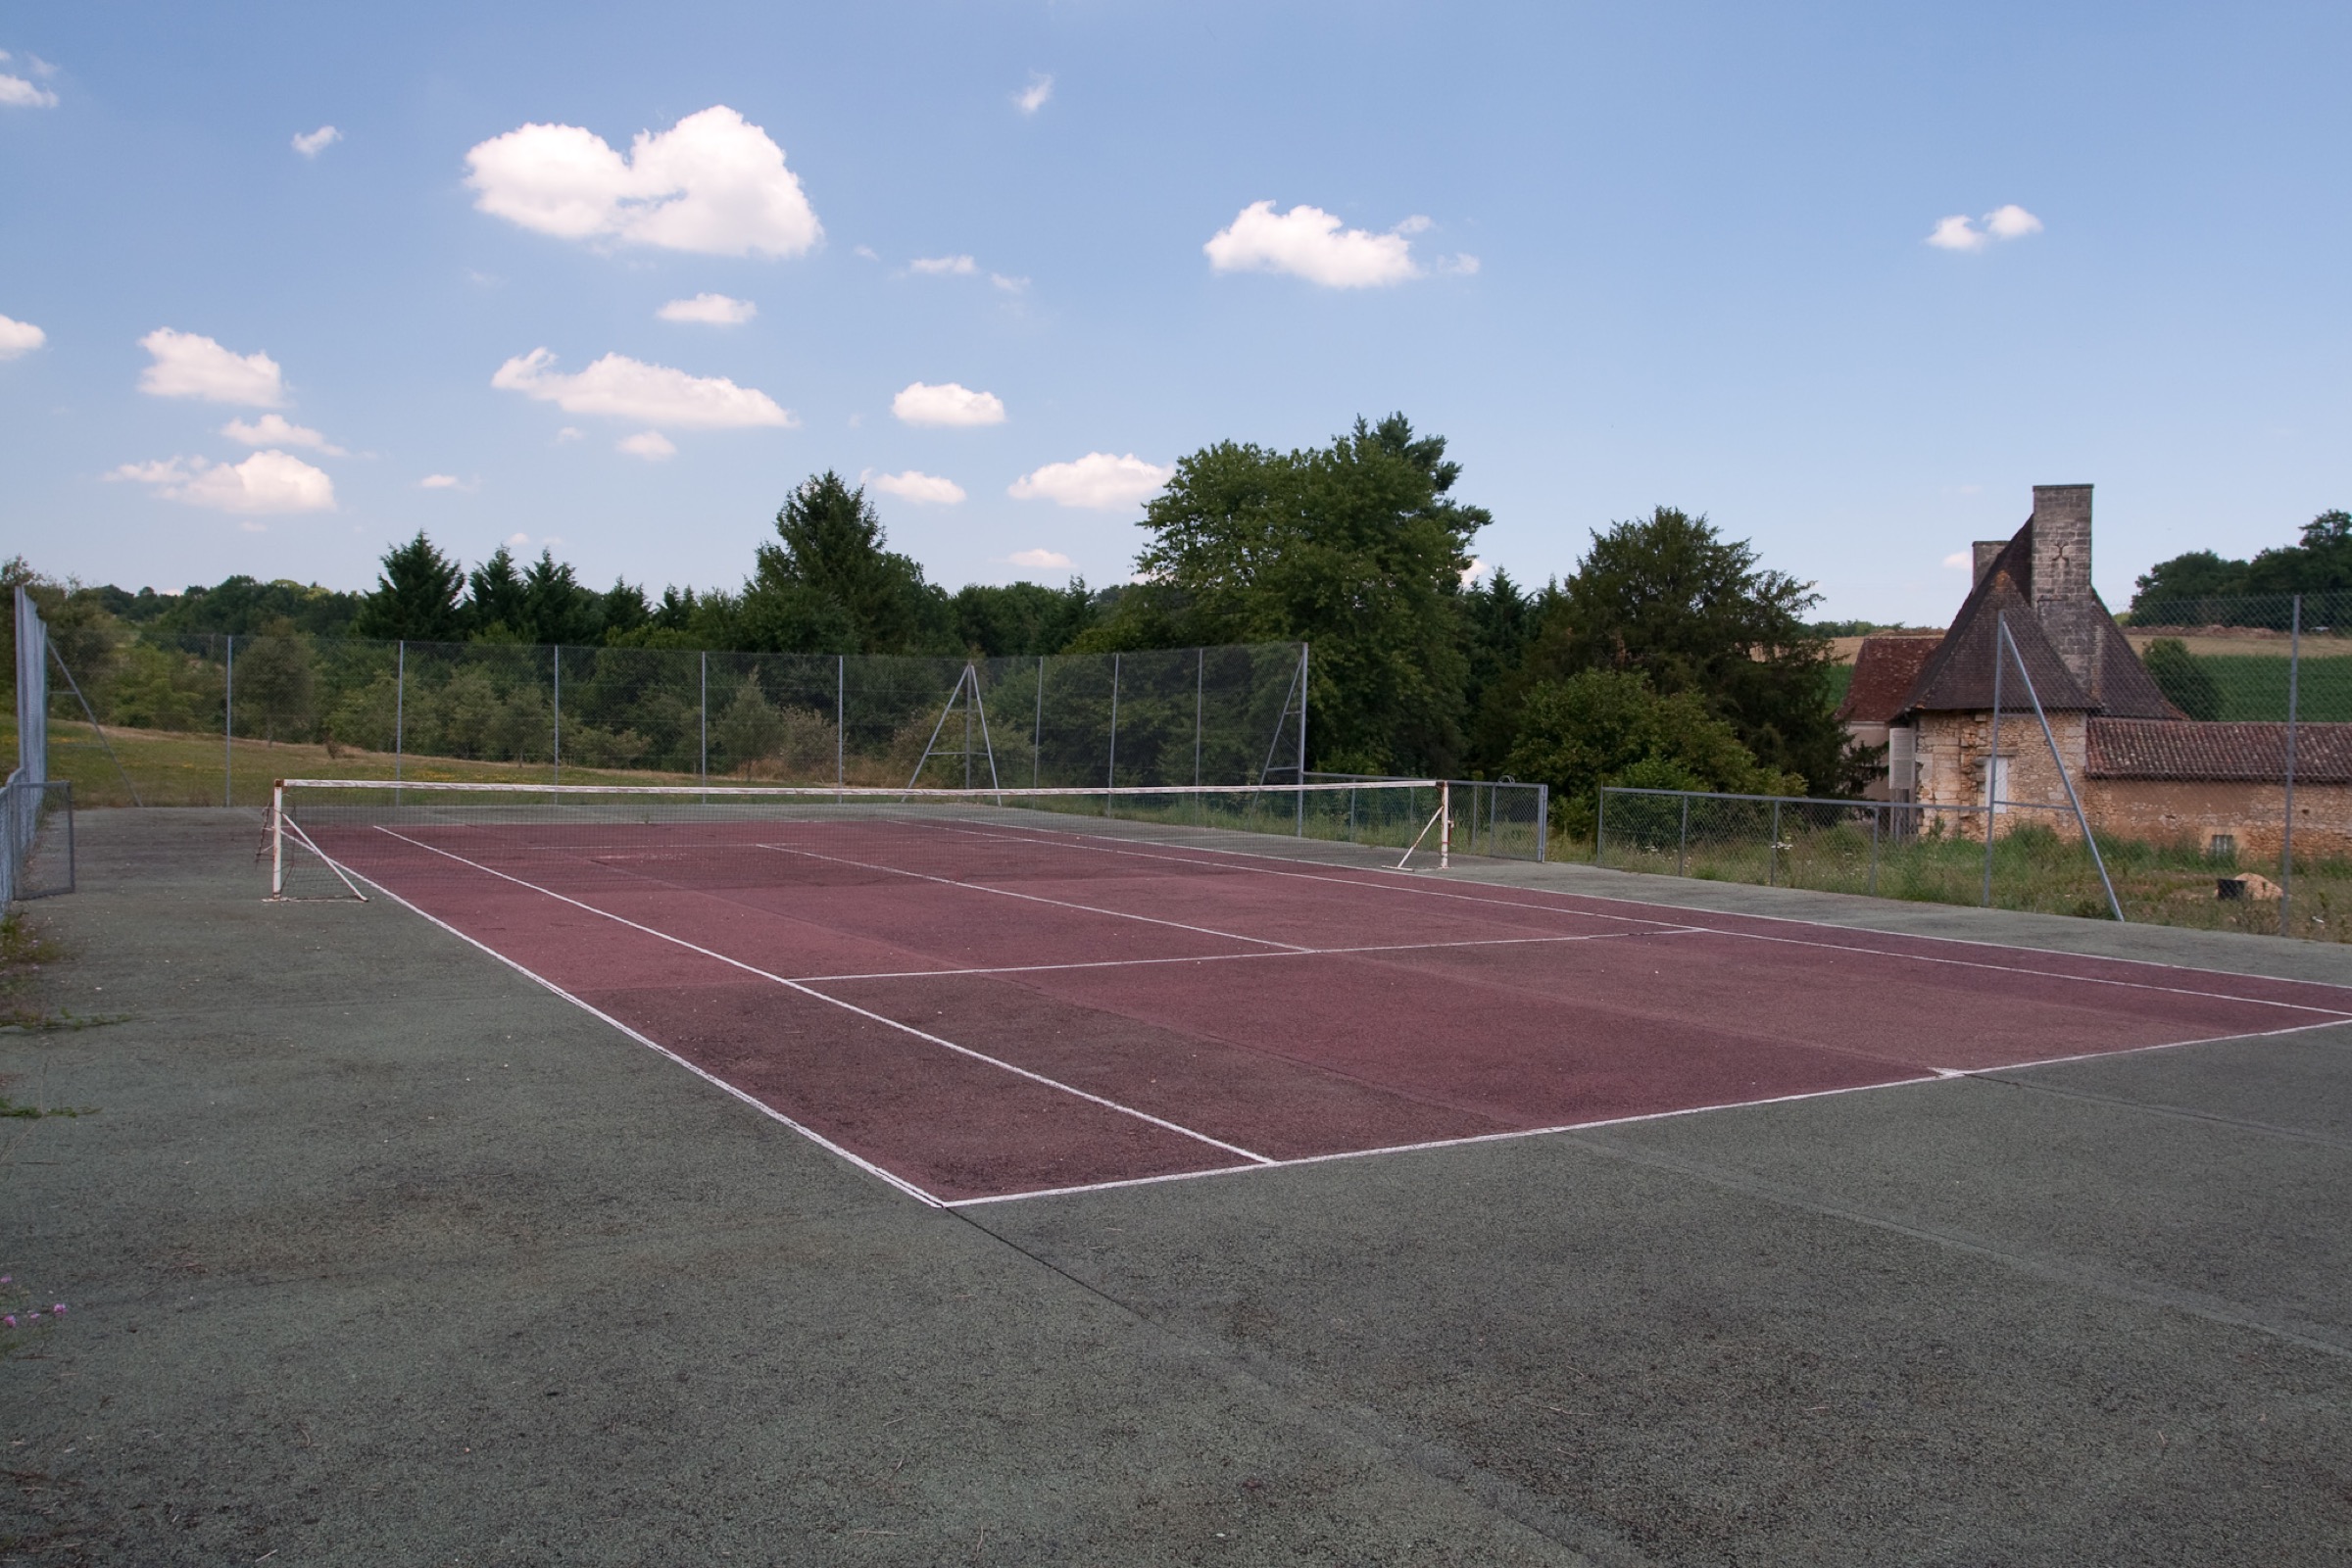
1444,824
277,840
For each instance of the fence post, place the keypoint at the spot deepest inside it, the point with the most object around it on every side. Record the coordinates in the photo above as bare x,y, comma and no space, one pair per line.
1772,851
1037,726
1682,848
841,719
1875,815
228,721
2287,838
1600,827
556,650
1199,694
400,708
702,739
1992,756
1543,822
1111,772
1301,780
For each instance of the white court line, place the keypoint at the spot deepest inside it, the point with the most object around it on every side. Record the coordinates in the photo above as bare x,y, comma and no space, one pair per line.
760,1105
1237,957
1838,947
1928,1076
845,1007
1032,898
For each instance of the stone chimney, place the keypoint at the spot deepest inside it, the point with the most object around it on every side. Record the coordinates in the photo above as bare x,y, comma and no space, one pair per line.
2062,601
1985,550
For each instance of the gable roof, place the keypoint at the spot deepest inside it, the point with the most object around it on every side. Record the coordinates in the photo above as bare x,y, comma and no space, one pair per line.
1885,667
1958,679
2234,753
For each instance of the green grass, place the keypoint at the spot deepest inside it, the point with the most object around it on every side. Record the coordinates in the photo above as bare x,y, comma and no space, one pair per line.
2253,686
2032,869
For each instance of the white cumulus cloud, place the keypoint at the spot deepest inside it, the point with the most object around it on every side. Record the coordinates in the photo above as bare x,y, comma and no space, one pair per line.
19,93
266,482
937,266
1959,232
914,485
1097,479
1310,243
1038,558
442,482
618,387
311,143
277,431
712,184
947,404
19,337
187,365
1961,560
712,310
651,445
1030,99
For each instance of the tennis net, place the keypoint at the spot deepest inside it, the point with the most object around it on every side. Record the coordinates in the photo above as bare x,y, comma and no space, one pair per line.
330,838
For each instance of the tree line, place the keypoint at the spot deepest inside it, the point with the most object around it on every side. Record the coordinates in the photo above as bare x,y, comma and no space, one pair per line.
1669,656
2203,587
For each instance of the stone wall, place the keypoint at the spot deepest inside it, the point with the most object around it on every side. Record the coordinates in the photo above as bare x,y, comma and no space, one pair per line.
2167,810
1952,750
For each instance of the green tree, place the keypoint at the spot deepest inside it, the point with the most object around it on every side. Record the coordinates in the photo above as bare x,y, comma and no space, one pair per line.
1357,548
277,682
1610,726
2188,684
830,545
1668,597
1021,617
495,601
2171,592
415,596
748,729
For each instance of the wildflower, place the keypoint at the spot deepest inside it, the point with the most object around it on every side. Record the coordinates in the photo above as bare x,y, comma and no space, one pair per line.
10,1320
58,1310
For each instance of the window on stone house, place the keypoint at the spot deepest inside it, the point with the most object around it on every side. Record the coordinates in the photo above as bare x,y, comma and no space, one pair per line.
2222,847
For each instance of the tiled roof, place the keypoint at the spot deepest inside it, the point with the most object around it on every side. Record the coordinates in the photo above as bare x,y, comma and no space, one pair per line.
1884,669
2236,753
1958,679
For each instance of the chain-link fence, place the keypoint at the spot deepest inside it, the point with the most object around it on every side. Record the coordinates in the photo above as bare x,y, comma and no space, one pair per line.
36,812
169,718
1504,820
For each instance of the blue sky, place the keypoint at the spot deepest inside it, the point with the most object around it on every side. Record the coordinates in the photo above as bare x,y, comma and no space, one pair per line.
1619,256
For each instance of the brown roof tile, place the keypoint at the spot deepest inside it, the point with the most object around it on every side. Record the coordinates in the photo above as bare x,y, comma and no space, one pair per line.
1885,668
2233,753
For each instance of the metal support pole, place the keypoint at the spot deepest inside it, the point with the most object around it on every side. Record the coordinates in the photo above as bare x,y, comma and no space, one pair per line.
1772,851
1303,672
1600,827
277,840
1111,772
90,714
2082,819
400,708
701,741
1199,696
1993,759
228,723
2287,838
1445,817
972,697
1875,815
557,653
1037,726
841,719
1682,848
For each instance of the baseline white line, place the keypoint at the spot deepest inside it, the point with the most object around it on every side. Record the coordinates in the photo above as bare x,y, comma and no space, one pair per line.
1922,1077
845,1007
1838,947
1931,1075
762,1107
1032,898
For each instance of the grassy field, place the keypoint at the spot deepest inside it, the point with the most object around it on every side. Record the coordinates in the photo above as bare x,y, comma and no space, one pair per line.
2034,868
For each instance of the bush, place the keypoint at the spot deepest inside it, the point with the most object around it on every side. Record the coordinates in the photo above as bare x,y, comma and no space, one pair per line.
2188,685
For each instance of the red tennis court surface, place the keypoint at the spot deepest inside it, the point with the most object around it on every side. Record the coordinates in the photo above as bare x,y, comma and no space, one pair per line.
980,1011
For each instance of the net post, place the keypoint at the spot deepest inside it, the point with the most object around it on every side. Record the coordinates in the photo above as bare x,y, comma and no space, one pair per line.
2287,837
1445,809
228,720
278,839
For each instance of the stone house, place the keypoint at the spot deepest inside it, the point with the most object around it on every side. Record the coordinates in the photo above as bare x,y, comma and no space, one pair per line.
2141,768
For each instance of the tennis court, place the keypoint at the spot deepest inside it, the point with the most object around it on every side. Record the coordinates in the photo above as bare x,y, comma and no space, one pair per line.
979,1001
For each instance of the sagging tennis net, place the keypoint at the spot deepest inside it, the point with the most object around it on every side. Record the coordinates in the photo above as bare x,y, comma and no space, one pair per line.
330,836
